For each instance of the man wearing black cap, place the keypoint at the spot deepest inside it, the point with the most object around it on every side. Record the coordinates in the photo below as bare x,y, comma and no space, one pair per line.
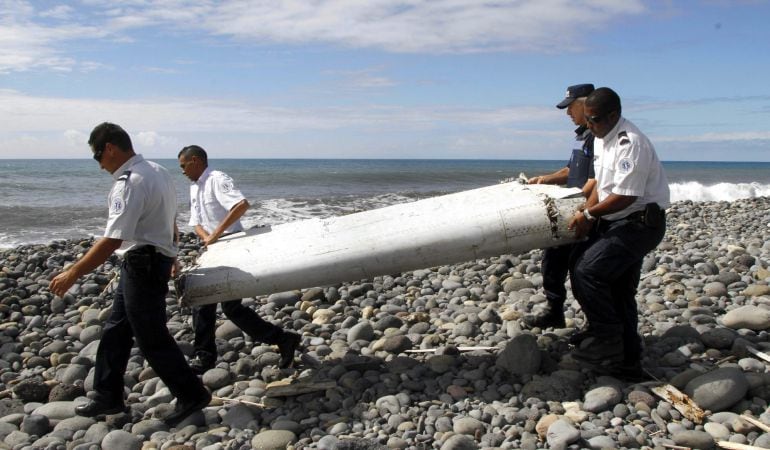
575,174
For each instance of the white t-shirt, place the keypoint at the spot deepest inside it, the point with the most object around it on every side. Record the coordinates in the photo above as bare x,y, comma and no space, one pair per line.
142,206
211,198
625,163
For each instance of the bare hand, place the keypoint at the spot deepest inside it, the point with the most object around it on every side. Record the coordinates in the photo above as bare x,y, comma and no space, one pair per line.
62,283
210,240
535,180
579,224
176,268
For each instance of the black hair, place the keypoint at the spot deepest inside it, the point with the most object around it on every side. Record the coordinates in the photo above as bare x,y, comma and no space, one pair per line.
603,101
109,133
194,150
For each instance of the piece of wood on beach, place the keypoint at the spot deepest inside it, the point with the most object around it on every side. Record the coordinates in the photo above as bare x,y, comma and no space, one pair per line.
681,402
223,400
289,387
756,423
758,354
460,349
675,447
736,446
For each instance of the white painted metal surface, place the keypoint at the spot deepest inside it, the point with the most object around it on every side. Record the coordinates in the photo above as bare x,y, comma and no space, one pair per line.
508,218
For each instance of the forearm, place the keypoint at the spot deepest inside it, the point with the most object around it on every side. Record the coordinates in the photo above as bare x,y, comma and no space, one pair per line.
232,216
558,177
201,232
612,204
99,253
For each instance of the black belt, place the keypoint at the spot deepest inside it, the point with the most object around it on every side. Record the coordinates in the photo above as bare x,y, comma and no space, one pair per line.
144,250
651,209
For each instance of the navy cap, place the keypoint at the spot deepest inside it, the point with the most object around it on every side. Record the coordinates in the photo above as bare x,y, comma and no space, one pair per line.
576,91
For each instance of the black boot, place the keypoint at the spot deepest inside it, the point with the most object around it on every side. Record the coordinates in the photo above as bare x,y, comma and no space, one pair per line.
286,347
551,317
202,362
100,405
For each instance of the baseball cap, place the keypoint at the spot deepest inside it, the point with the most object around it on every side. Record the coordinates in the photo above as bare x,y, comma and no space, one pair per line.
576,91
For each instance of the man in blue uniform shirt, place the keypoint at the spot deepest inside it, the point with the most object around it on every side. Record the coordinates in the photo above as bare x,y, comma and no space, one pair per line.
142,212
627,221
575,174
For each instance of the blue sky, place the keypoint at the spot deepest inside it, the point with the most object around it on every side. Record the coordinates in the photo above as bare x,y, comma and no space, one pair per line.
380,79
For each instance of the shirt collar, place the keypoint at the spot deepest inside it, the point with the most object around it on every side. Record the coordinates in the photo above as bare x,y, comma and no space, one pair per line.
202,179
613,133
126,165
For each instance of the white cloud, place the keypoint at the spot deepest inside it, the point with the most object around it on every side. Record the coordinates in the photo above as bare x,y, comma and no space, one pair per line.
151,139
24,113
75,138
419,26
718,137
35,39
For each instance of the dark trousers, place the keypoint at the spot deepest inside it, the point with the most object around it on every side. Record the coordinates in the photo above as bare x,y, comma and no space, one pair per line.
139,314
554,267
605,273
204,324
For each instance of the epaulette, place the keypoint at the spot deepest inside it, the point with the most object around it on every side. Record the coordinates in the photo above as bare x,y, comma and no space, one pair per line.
124,176
623,138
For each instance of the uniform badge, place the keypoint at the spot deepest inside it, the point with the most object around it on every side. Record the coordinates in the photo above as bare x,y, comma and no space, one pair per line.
117,205
625,165
227,185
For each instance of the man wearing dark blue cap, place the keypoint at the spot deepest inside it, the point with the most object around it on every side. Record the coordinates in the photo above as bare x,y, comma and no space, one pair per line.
575,174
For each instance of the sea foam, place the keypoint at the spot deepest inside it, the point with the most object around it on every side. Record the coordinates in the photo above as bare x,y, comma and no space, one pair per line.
698,192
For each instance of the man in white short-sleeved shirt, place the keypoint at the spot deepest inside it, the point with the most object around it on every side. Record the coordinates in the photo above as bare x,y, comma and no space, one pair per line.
142,213
216,207
624,219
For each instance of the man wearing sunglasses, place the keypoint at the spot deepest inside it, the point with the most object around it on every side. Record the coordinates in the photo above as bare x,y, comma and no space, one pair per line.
576,173
142,212
626,221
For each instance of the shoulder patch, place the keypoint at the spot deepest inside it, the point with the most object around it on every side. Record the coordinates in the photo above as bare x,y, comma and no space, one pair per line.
625,165
117,205
623,138
226,185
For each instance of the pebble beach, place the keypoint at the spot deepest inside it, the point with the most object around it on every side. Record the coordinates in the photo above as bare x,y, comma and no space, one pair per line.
430,359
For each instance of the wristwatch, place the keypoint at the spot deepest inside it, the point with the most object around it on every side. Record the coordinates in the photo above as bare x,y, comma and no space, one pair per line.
588,215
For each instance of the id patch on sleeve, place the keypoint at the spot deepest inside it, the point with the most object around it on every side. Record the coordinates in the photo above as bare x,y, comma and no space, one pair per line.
226,185
625,165
117,204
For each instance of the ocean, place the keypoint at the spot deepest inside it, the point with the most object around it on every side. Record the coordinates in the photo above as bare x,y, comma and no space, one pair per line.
43,200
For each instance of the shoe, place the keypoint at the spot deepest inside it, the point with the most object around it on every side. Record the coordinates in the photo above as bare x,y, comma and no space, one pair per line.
580,336
184,408
201,363
629,371
99,407
550,318
605,351
288,345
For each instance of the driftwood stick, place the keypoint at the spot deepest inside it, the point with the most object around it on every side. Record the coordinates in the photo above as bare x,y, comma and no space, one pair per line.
757,353
756,423
675,447
462,349
235,400
681,402
735,446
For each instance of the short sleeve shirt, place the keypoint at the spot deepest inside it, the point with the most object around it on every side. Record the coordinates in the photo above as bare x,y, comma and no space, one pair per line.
142,206
626,164
211,198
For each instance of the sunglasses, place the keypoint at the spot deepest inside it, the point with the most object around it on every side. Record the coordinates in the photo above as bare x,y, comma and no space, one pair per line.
596,119
98,154
599,118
